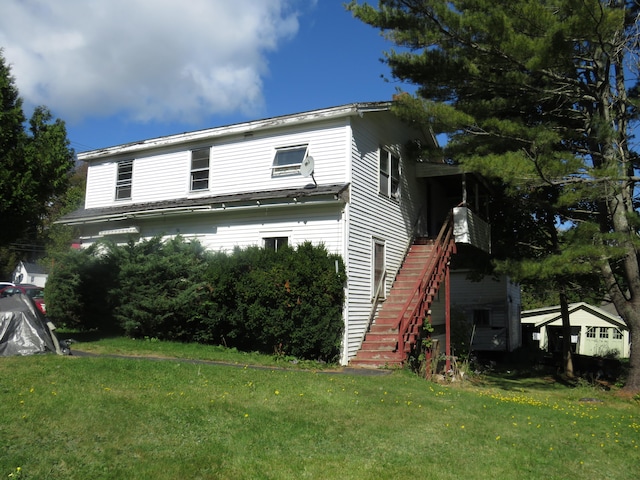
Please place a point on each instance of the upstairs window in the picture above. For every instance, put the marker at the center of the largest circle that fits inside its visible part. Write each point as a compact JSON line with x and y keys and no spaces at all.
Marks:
{"x":124,"y":180}
{"x":287,"y":160}
{"x":200,"y":169}
{"x":389,"y":174}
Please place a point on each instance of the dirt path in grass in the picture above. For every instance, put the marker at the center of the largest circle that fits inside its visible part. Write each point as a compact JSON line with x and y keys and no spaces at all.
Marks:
{"x":342,"y":370}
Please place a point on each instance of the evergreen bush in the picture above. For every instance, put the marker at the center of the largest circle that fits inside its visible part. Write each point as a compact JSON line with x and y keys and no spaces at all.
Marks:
{"x":287,"y":302}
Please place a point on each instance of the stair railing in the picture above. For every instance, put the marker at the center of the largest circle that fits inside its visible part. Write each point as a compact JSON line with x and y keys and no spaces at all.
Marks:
{"x":417,"y":306}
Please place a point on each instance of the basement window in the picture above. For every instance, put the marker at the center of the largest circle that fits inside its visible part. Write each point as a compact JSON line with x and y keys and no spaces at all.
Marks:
{"x":124,"y":180}
{"x":287,"y":160}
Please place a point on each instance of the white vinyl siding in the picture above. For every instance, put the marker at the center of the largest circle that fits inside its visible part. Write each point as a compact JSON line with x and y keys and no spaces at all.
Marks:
{"x":372,"y":215}
{"x":237,"y":164}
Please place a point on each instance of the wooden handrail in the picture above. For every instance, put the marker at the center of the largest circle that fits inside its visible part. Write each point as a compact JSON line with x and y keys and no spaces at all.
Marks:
{"x":443,"y":247}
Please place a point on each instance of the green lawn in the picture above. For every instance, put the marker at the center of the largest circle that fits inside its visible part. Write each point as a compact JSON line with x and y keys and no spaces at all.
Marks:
{"x":114,"y":418}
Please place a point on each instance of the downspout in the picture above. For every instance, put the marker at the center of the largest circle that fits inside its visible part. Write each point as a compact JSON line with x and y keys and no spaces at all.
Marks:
{"x":447,"y":315}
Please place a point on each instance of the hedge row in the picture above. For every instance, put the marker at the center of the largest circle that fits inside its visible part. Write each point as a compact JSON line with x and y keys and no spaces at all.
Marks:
{"x":289,"y":301}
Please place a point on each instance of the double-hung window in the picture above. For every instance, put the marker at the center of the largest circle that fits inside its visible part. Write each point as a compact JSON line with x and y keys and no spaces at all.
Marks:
{"x":124,"y":180}
{"x":287,"y":160}
{"x":389,"y":174}
{"x":200,"y":169}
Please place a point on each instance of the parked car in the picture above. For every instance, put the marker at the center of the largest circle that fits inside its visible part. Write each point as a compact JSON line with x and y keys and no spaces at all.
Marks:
{"x":6,"y":284}
{"x":33,"y":291}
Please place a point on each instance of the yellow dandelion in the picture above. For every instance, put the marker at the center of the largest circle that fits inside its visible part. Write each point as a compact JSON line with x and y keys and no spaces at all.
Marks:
{"x":498,"y":438}
{"x":277,"y":392}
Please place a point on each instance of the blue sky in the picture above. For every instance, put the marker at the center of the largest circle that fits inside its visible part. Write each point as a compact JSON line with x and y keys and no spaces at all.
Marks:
{"x":118,"y":71}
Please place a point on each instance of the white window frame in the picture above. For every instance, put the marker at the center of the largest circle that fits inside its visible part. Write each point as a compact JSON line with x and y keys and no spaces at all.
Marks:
{"x":124,"y":180}
{"x":282,"y":165}
{"x":389,"y":173}
{"x":197,"y":173}
{"x":591,"y":332}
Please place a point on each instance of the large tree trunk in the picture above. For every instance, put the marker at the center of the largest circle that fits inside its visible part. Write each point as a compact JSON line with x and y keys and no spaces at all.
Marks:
{"x":633,"y":381}
{"x":567,"y":357}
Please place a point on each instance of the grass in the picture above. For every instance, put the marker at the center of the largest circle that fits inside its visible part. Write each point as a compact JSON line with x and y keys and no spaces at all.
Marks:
{"x":121,"y":418}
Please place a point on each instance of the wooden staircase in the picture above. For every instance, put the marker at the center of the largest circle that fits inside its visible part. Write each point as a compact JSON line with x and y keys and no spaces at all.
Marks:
{"x":398,"y":324}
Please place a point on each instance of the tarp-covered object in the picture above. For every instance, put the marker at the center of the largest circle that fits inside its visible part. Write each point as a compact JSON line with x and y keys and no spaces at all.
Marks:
{"x":23,"y":329}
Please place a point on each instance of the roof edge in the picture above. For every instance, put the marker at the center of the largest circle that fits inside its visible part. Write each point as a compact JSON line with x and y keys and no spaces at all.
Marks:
{"x":243,"y":128}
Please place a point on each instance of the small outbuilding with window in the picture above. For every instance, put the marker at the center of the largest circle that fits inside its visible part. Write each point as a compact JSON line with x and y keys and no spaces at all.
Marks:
{"x":594,"y":331}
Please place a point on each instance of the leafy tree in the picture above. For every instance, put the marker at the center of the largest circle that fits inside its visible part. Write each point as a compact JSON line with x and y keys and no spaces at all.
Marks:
{"x":36,"y":165}
{"x":541,"y":97}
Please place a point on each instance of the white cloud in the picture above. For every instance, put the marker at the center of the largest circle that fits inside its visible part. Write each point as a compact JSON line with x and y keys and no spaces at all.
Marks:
{"x":157,"y":60}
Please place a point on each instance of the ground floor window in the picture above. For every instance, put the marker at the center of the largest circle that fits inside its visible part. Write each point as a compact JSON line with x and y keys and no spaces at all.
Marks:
{"x":617,"y":334}
{"x":604,"y":332}
{"x":591,"y":332}
{"x":275,"y":243}
{"x":482,"y":318}
{"x":379,"y":267}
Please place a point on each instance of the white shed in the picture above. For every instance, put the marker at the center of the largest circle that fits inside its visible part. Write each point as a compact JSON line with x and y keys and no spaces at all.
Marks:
{"x":594,"y":331}
{"x":31,"y":273}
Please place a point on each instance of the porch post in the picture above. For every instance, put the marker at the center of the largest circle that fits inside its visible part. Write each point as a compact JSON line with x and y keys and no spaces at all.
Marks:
{"x":447,"y":314}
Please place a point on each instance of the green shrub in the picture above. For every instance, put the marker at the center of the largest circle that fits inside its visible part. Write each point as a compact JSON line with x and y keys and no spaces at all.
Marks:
{"x":289,"y":301}
{"x":77,"y":289}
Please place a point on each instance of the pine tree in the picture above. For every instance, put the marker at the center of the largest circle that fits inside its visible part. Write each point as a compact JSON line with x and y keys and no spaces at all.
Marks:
{"x":36,"y":164}
{"x":541,"y":97}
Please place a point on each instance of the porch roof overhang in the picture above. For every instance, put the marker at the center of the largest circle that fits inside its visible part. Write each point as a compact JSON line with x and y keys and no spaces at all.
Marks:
{"x":436,"y":169}
{"x":309,"y":195}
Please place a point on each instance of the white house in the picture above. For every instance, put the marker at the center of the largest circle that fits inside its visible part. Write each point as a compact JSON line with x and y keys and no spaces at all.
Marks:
{"x":32,"y":273}
{"x":594,"y":331}
{"x":343,"y":176}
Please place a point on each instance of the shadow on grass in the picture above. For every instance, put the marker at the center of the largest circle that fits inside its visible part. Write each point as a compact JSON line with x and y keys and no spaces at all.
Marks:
{"x":534,"y":369}
{"x":78,"y":336}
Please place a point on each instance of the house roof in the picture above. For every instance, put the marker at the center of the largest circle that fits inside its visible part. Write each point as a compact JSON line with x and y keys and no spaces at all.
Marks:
{"x":546,"y":315}
{"x":33,"y":268}
{"x":246,"y":128}
{"x":310,"y":194}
